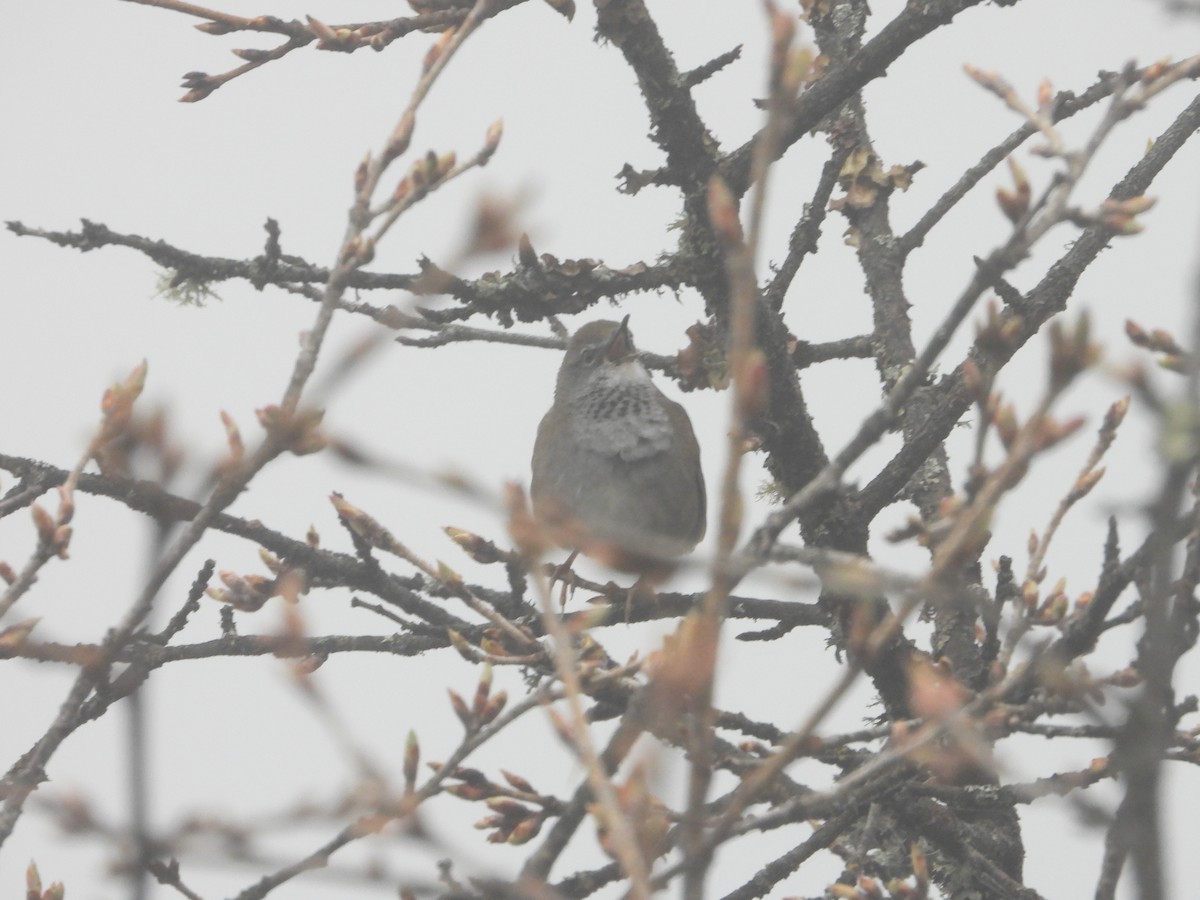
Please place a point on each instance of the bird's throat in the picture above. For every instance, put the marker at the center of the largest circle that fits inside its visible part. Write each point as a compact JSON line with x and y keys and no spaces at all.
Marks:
{"x":622,"y":416}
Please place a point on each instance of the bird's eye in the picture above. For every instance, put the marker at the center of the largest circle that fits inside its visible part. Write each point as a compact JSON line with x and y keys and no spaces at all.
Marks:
{"x":590,"y":355}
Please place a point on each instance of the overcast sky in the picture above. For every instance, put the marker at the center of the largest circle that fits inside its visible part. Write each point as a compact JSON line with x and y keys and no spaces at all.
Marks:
{"x":93,"y":130}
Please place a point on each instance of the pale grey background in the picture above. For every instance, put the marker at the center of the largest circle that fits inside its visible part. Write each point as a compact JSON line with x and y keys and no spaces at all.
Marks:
{"x":92,"y":129}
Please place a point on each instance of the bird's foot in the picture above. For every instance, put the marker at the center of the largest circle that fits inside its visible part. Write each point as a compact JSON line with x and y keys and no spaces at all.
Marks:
{"x":566,"y":575}
{"x":642,"y":591}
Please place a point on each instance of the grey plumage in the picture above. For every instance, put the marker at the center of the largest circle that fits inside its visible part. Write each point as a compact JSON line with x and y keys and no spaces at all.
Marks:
{"x":616,"y":465}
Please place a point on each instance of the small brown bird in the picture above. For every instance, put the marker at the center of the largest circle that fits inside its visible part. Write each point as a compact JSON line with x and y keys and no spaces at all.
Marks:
{"x":616,"y":466}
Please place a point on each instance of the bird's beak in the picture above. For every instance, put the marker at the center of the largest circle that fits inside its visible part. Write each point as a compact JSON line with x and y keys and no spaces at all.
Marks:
{"x":620,"y":345}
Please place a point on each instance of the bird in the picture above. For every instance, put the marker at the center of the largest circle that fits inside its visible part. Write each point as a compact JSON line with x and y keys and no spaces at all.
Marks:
{"x":616,"y":465}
